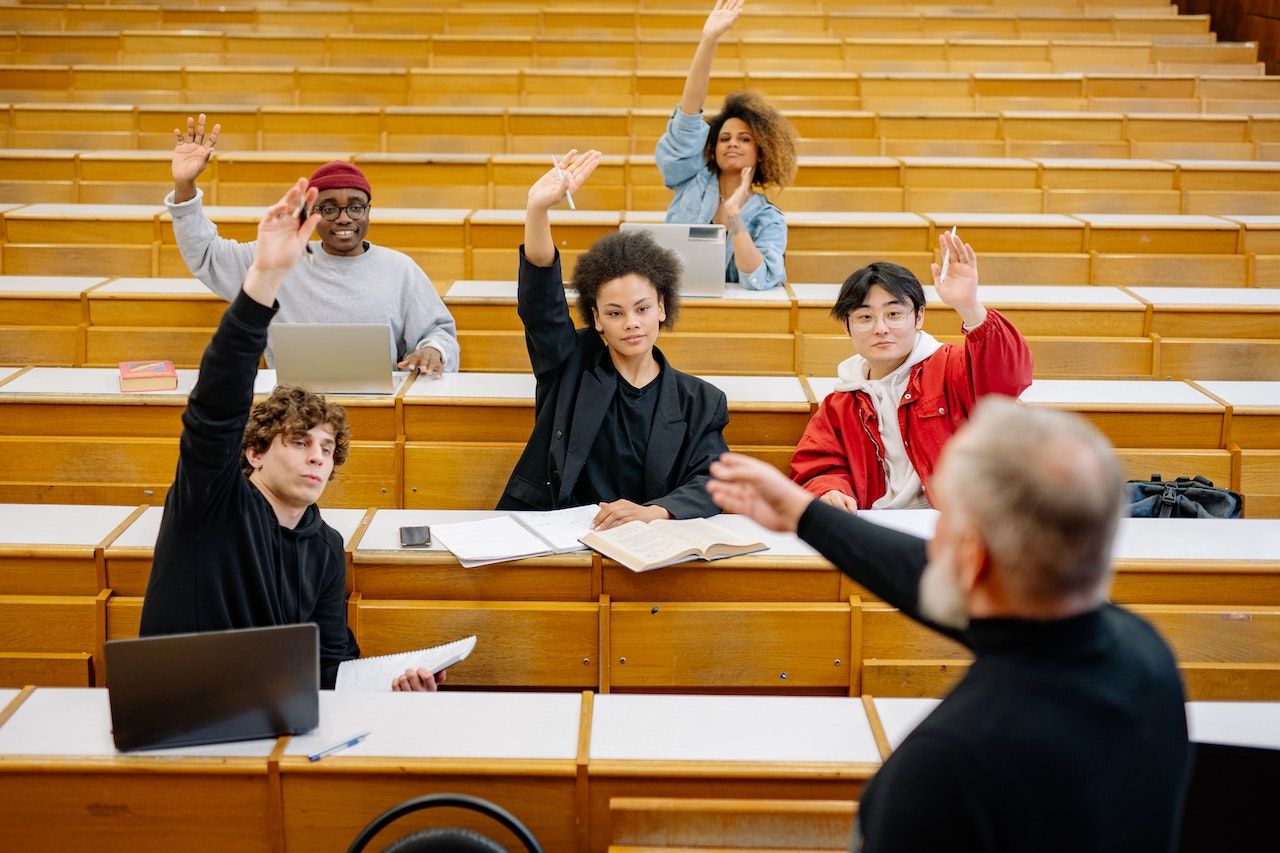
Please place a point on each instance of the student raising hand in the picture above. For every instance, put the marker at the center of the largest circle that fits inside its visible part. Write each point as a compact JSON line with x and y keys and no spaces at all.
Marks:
{"x":960,"y":287}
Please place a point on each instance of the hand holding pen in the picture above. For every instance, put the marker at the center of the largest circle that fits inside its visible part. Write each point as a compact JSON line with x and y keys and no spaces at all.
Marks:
{"x":956,"y":279}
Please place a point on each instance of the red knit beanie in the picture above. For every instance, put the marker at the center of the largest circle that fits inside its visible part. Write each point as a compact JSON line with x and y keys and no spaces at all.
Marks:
{"x":339,"y":174}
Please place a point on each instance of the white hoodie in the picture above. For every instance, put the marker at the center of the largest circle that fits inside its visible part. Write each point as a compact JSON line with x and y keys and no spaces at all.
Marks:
{"x":903,"y":489}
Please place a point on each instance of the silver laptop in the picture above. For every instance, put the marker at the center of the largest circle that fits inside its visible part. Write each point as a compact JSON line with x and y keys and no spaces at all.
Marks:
{"x":701,"y":249}
{"x":335,"y":358}
{"x":215,"y":686}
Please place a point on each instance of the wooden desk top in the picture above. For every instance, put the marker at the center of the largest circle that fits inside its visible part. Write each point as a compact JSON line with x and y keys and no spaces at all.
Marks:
{"x":1132,"y":394}
{"x":472,"y":386}
{"x":900,"y":716}
{"x":142,"y":532}
{"x":499,"y":291}
{"x":1263,"y":395}
{"x":1258,"y":298}
{"x":1255,"y":724}
{"x":47,"y":285}
{"x":74,"y":723}
{"x":444,"y":725}
{"x":61,"y":524}
{"x":801,"y":730}
{"x":185,"y":287}
{"x":64,"y":384}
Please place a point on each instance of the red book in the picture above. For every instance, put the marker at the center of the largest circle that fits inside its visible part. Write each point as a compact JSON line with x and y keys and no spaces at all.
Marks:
{"x":148,"y":376}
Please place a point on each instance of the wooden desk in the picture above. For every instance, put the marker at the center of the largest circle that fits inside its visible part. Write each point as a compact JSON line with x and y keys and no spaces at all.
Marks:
{"x":812,"y":748}
{"x":1120,"y":233}
{"x":523,"y":751}
{"x":66,"y":785}
{"x":43,"y":318}
{"x":1134,"y":413}
{"x":81,"y":239}
{"x":1211,"y":312}
{"x":131,"y":318}
{"x":1220,"y":562}
{"x":824,"y":247}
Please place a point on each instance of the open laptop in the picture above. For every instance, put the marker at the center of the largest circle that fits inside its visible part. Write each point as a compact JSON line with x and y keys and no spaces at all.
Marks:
{"x":191,"y":689}
{"x":335,"y":358}
{"x":701,"y":249}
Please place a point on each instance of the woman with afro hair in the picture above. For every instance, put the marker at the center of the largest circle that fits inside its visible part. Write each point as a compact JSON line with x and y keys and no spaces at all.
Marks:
{"x":714,"y":166}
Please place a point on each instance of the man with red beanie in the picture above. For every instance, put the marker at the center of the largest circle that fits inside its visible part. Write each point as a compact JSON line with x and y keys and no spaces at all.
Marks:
{"x":346,"y":279}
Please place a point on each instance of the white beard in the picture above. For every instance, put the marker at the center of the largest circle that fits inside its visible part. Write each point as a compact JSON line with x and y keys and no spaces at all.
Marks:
{"x":941,"y":601}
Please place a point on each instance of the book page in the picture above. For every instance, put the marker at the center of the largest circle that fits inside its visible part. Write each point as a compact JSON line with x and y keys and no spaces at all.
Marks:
{"x":644,"y":543}
{"x":560,"y":528}
{"x":375,"y":674}
{"x":490,"y":540}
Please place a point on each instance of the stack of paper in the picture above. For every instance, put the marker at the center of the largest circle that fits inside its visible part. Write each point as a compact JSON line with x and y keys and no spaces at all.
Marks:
{"x":516,"y":536}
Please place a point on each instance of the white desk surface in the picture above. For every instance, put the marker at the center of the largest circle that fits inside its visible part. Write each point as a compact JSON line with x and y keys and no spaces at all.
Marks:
{"x":1235,"y":723}
{"x":779,"y":544}
{"x":800,"y":729}
{"x":900,"y":716}
{"x":822,"y":386}
{"x":383,"y":532}
{"x":1242,"y":394}
{"x":1174,"y":540}
{"x":1164,"y":221}
{"x":446,"y":725}
{"x":142,"y":532}
{"x":93,"y":381}
{"x":507,"y":386}
{"x":1261,"y":221}
{"x":76,"y":722}
{"x":161,"y":286}
{"x":998,"y":295}
{"x":759,"y":389}
{"x":6,"y":372}
{"x":1002,"y":220}
{"x":64,"y":284}
{"x":1122,"y":392}
{"x":559,"y":216}
{"x":869,"y":219}
{"x":7,"y":695}
{"x":506,"y":290}
{"x":265,"y":383}
{"x":89,"y":211}
{"x":1169,"y":297}
{"x":59,"y":524}
{"x":917,"y":522}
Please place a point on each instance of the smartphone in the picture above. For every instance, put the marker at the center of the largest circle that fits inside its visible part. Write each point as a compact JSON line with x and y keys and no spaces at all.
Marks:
{"x":415,"y":537}
{"x":303,"y":214}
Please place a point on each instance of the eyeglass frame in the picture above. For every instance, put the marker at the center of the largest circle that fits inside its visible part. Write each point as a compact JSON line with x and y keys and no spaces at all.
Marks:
{"x":340,"y":208}
{"x":908,"y":316}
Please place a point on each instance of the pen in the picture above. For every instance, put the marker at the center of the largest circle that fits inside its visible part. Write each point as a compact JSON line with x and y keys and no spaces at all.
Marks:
{"x":329,"y":750}
{"x":946,"y":258}
{"x":560,"y":176}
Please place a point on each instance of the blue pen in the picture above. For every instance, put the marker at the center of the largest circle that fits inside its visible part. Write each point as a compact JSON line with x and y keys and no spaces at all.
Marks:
{"x":329,"y":750}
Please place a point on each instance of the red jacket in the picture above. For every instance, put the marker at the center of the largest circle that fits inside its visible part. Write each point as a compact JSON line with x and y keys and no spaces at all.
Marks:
{"x":841,"y":447}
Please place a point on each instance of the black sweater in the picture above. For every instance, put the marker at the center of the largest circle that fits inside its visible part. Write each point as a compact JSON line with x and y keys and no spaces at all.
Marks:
{"x":1065,"y":735}
{"x":222,"y":560}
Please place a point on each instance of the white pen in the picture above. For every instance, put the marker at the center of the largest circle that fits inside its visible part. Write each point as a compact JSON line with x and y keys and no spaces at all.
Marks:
{"x":560,"y":176}
{"x":329,"y":750}
{"x":946,"y":258}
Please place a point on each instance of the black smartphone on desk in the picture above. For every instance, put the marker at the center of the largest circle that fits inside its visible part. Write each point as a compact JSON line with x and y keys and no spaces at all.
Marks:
{"x":415,"y":537}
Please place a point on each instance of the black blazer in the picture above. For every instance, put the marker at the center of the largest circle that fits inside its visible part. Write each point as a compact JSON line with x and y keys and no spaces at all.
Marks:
{"x":575,"y":385}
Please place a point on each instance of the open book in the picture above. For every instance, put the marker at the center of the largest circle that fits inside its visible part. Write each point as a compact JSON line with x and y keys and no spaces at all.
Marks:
{"x":645,"y":545}
{"x":375,"y":674}
{"x":516,"y":535}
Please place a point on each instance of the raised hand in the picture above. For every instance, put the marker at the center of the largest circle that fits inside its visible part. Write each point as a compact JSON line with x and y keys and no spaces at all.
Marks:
{"x":722,"y":17}
{"x":567,"y":177}
{"x":960,"y":288}
{"x":751,"y":487}
{"x":192,"y":152}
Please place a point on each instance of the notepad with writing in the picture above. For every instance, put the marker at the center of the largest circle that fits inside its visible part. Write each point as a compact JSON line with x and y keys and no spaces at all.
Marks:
{"x":516,"y":535}
{"x":645,"y":545}
{"x":375,"y":674}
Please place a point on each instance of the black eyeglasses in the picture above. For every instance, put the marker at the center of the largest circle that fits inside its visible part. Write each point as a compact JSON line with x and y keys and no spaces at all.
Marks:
{"x":331,"y":211}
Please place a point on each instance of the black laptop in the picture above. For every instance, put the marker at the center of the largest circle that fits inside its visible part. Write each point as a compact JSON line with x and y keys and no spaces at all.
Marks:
{"x":192,"y":689}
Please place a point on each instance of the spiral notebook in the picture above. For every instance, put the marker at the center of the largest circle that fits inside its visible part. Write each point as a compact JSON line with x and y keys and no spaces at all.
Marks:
{"x":375,"y":674}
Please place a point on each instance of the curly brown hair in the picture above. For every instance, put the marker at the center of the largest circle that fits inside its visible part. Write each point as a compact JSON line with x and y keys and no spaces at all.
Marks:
{"x":291,"y":411}
{"x":623,"y":253}
{"x":774,"y":134}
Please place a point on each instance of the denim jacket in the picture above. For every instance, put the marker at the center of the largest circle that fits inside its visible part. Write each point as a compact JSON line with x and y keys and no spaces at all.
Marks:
{"x":697,"y":195}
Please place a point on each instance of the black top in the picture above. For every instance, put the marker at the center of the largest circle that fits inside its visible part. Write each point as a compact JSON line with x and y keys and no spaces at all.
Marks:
{"x":576,"y":387}
{"x":615,"y":465}
{"x":221,"y":559}
{"x":1065,"y":735}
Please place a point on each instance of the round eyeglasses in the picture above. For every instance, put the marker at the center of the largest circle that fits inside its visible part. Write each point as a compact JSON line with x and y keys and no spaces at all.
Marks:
{"x":894,"y":318}
{"x":332,"y":211}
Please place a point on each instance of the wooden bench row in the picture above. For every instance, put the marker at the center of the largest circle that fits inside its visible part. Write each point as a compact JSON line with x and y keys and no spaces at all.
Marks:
{"x":352,"y":50}
{"x":452,"y":443}
{"x":1210,"y":88}
{"x":497,"y":129}
{"x":602,"y":627}
{"x":1098,"y":21}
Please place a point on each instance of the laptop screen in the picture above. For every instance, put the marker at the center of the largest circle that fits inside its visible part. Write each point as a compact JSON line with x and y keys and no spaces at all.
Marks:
{"x":215,"y":686}
{"x":701,"y":249}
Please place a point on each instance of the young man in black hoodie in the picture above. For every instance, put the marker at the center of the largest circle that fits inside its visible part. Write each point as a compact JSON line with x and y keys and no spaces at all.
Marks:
{"x":242,"y":543}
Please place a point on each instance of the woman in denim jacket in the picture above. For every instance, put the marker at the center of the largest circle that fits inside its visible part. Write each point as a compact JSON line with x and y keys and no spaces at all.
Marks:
{"x":713,"y":166}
